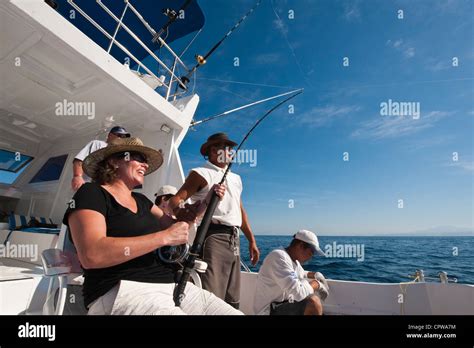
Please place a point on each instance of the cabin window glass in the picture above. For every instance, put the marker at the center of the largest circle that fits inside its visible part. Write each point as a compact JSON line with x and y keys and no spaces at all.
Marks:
{"x":12,"y":164}
{"x":51,"y":170}
{"x":13,"y":161}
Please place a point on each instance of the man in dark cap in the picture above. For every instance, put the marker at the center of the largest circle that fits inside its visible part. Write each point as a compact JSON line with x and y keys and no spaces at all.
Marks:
{"x":94,"y":145}
{"x":221,"y":248}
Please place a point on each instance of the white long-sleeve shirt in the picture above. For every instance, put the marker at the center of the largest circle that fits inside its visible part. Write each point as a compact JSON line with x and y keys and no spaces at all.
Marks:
{"x":280,"y":279}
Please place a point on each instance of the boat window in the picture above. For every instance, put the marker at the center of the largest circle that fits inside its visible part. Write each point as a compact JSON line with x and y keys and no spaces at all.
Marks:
{"x":51,"y":170}
{"x":13,"y":161}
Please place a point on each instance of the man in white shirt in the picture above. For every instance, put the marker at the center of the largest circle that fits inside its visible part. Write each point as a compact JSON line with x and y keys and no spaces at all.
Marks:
{"x":78,"y":178}
{"x":221,"y":248}
{"x":284,"y":287}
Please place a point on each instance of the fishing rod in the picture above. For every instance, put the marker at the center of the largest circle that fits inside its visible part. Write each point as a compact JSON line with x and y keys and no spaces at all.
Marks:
{"x":195,"y":123}
{"x":172,"y":15}
{"x":201,"y":60}
{"x":206,"y":220}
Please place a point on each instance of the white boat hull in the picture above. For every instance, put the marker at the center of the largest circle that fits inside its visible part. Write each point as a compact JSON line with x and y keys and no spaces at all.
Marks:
{"x":363,"y":298}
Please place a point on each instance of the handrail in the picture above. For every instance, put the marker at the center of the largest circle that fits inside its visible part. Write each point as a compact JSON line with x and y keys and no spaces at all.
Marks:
{"x":419,"y":276}
{"x":117,"y":29}
{"x":145,"y":47}
{"x":245,"y":267}
{"x":153,"y":32}
{"x":123,"y":48}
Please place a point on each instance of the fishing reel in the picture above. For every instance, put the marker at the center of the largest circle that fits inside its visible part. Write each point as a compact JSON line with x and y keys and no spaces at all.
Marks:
{"x":173,"y":254}
{"x":200,"y":59}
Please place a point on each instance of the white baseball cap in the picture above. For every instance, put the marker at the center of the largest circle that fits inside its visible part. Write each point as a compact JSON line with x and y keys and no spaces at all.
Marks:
{"x":166,"y":190}
{"x":310,"y":238}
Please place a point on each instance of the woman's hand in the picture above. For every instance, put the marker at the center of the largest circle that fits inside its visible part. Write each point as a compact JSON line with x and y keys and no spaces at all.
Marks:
{"x":176,"y":234}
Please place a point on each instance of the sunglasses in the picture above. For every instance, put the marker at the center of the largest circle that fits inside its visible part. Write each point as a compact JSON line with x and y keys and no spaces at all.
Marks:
{"x":121,"y":135}
{"x":134,"y":156}
{"x":223,"y":147}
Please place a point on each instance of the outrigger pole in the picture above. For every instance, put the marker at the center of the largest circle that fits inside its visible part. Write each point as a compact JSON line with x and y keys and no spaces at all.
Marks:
{"x":206,"y":220}
{"x":195,"y":123}
{"x":201,"y":60}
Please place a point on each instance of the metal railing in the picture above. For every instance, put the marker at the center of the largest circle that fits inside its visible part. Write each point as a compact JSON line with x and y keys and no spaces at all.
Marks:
{"x":419,"y":276}
{"x":113,"y":41}
{"x":244,"y":266}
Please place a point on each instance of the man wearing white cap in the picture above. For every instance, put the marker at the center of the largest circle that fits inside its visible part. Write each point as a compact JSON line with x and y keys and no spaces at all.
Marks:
{"x":162,"y":196}
{"x":284,"y":287}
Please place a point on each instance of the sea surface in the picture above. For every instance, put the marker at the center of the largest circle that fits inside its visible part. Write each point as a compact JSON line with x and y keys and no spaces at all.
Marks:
{"x":385,"y":259}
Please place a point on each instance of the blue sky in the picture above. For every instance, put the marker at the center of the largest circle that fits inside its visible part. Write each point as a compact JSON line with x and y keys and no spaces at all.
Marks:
{"x":300,"y":155}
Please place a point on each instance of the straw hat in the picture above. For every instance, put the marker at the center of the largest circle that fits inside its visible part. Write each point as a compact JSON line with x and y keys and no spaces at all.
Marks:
{"x":154,"y":157}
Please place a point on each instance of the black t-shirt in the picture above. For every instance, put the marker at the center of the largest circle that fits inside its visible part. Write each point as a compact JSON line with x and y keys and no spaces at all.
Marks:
{"x":121,"y":222}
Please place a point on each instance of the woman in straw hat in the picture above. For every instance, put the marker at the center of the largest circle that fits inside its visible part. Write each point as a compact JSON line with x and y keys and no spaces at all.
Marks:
{"x":116,"y":232}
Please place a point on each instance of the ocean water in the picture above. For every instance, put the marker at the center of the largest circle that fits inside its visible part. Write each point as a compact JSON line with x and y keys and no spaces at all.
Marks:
{"x":386,"y":259}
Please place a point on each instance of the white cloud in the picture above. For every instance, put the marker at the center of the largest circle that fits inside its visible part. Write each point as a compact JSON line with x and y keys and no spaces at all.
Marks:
{"x":280,"y":26}
{"x":384,"y":127}
{"x":351,"y":10}
{"x":409,"y":52}
{"x":324,"y":116}
{"x":267,"y":58}
{"x":399,"y":45}
{"x":464,"y":165}
{"x":437,"y":66}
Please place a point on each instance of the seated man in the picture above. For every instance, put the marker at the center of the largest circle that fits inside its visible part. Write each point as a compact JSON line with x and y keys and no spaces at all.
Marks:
{"x":281,"y":285}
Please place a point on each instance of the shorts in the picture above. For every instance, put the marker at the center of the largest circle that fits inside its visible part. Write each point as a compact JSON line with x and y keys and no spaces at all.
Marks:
{"x":288,"y":308}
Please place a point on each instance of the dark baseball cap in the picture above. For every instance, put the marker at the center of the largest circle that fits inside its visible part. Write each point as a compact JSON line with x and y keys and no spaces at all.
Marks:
{"x":120,"y":131}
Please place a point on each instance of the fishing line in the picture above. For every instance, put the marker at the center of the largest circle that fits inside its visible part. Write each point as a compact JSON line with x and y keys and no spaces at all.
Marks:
{"x":246,"y":83}
{"x":291,"y":47}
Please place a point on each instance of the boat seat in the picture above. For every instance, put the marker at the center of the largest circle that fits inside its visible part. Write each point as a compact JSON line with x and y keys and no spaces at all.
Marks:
{"x":28,"y":246}
{"x":3,"y":236}
{"x":20,"y":222}
{"x":64,"y":295}
{"x":12,"y":269}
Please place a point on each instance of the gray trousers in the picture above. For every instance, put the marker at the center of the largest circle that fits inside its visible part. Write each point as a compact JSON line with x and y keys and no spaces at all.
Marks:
{"x":221,"y":251}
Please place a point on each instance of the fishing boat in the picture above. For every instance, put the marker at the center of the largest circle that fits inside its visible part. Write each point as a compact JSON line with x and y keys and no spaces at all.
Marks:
{"x":70,"y":70}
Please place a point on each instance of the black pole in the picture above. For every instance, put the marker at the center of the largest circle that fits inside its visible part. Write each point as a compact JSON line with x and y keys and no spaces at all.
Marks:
{"x":206,"y":220}
{"x":170,"y":21}
{"x":188,"y":76}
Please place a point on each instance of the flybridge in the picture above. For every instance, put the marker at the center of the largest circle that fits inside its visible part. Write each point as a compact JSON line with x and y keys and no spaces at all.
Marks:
{"x":137,"y":35}
{"x":149,"y":12}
